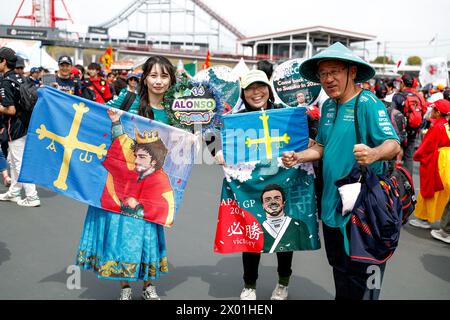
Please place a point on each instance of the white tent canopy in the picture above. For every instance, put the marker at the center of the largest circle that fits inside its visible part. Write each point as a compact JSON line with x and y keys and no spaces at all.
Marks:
{"x":31,"y":51}
{"x":241,"y":68}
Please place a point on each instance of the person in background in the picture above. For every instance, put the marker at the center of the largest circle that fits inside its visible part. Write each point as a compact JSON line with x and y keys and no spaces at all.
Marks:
{"x":34,"y":76}
{"x":17,"y":121}
{"x":110,"y":78}
{"x":443,"y":233}
{"x":398,"y":101}
{"x":433,"y":155}
{"x":128,"y":99}
{"x":266,"y":66}
{"x":121,"y":81}
{"x":20,"y":66}
{"x":97,"y":85}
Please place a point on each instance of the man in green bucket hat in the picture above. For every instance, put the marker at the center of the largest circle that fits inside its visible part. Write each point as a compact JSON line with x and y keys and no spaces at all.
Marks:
{"x":339,"y":71}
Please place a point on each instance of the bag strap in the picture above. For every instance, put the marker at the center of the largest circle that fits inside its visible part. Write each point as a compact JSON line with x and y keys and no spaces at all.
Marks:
{"x":128,"y":101}
{"x":358,"y":134}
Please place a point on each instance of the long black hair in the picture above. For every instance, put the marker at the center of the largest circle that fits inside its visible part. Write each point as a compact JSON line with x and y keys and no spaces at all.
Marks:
{"x":144,"y":109}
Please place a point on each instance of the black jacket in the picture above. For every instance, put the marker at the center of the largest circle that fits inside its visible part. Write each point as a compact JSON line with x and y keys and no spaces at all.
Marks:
{"x":16,"y":125}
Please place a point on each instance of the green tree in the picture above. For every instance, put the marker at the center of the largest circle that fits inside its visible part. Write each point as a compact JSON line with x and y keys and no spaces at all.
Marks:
{"x":383,"y":60}
{"x":414,"y":61}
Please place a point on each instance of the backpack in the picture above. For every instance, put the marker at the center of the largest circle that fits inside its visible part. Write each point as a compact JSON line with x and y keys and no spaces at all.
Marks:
{"x":28,"y":94}
{"x":404,"y":183}
{"x":373,"y":228}
{"x":412,"y":109}
{"x":398,"y":121}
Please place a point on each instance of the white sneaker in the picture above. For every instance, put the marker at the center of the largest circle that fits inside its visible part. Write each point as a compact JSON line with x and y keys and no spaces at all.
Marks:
{"x":125,"y":294}
{"x":9,"y":197}
{"x":420,"y":223}
{"x":150,"y":293}
{"x":280,"y":293}
{"x":441,"y":235}
{"x":248,"y":294}
{"x":29,"y":202}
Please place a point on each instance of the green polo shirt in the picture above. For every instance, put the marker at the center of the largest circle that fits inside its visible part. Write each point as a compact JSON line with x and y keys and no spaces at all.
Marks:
{"x":337,"y":135}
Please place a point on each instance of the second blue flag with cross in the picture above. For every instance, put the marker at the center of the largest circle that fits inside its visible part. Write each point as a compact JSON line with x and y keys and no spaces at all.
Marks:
{"x":263,"y":135}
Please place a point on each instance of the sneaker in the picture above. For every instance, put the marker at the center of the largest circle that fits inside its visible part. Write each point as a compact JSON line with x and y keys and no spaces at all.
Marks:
{"x":280,"y":293}
{"x":420,"y":223}
{"x":150,"y":293}
{"x":29,"y":202}
{"x":125,"y":294}
{"x":248,"y":294}
{"x":441,"y":235}
{"x":9,"y":197}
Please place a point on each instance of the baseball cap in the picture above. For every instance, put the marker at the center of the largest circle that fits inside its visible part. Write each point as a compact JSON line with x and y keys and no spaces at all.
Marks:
{"x":132,"y":75}
{"x":65,"y":59}
{"x":8,"y":54}
{"x":20,"y":63}
{"x":443,"y":106}
{"x":254,"y":76}
{"x":35,"y":69}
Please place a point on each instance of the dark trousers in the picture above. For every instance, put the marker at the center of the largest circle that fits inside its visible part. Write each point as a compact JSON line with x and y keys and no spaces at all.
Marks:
{"x":445,"y":220}
{"x":250,"y":260}
{"x":352,"y":280}
{"x":408,"y":152}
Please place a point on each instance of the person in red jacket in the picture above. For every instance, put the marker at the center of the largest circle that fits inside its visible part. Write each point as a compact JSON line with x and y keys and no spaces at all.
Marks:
{"x":434,"y":156}
{"x":97,"y":84}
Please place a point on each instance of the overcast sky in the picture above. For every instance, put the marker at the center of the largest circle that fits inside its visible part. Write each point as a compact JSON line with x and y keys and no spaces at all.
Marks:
{"x":407,"y":27}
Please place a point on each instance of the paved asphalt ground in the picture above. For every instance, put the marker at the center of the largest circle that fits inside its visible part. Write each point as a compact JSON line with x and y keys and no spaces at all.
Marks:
{"x":38,"y":244}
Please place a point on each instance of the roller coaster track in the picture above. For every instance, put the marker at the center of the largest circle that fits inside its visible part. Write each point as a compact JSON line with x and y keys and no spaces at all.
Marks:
{"x":135,"y":5}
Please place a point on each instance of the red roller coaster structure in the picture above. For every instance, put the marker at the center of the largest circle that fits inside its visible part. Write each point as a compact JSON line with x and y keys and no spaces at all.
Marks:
{"x":48,"y":19}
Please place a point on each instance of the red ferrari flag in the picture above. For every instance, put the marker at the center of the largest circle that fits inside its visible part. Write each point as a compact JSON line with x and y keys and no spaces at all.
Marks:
{"x":107,"y":58}
{"x":206,"y":65}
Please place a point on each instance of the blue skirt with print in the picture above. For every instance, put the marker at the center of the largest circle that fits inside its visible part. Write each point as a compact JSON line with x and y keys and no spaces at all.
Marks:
{"x":117,"y":247}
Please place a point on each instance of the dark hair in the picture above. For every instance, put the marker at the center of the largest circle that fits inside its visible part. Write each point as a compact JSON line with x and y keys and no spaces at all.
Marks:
{"x":10,"y":65}
{"x":157,"y":150}
{"x":380,"y":91}
{"x":446,"y":94}
{"x":144,"y":109}
{"x":408,"y":80}
{"x":271,"y":187}
{"x":95,"y":66}
{"x":266,"y":66}
{"x":81,"y":68}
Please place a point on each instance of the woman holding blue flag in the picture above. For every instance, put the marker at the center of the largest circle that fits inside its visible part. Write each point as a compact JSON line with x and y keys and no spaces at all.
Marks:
{"x":117,"y":246}
{"x":257,"y":95}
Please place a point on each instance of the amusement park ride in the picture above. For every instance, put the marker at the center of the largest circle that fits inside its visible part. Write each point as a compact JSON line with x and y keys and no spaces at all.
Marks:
{"x":43,"y":13}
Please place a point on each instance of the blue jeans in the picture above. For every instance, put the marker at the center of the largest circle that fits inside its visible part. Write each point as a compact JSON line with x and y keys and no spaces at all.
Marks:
{"x":3,"y":163}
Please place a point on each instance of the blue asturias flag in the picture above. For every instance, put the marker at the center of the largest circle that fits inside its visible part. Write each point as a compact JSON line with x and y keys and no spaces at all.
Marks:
{"x":107,"y":158}
{"x":263,"y":135}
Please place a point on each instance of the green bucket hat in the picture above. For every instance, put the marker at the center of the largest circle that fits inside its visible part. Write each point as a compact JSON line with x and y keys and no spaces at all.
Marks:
{"x":337,"y":51}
